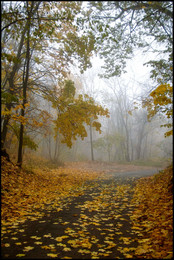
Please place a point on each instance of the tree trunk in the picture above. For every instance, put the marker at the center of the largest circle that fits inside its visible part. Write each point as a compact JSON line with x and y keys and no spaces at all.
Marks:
{"x":127,"y":146}
{"x":56,"y":151}
{"x":4,"y":129}
{"x":25,"y":83}
{"x":11,"y":86}
{"x":49,"y":147}
{"x":92,"y":153}
{"x":109,"y":154}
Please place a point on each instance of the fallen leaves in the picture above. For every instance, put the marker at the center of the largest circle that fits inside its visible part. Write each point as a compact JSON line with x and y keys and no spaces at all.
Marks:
{"x":28,"y":248}
{"x":18,"y":243}
{"x":52,"y":255}
{"x":20,"y":255}
{"x":35,"y":237}
{"x":154,"y":215}
{"x":59,"y":239}
{"x":84,"y":251}
{"x":23,"y":193}
{"x":100,"y":227}
{"x":66,"y":249}
{"x":49,"y":235}
{"x":14,"y":238}
{"x":126,"y":240}
{"x":6,"y":245}
{"x":38,"y":243}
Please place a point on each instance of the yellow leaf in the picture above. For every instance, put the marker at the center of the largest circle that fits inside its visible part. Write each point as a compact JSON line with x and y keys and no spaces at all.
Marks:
{"x":49,"y":235}
{"x":45,"y":247}
{"x":84,"y":251}
{"x":28,"y":248}
{"x":60,"y":244}
{"x":14,"y":238}
{"x":134,"y":227}
{"x":141,"y":251}
{"x":66,"y":249}
{"x":52,"y":255}
{"x":128,"y":256}
{"x":21,"y":230}
{"x":59,"y":239}
{"x":38,"y":243}
{"x":7,"y":245}
{"x":20,"y":255}
{"x":101,"y":250}
{"x":35,"y":237}
{"x":52,"y":246}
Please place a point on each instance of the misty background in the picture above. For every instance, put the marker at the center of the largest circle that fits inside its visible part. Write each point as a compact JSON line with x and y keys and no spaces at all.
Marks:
{"x":126,"y":136}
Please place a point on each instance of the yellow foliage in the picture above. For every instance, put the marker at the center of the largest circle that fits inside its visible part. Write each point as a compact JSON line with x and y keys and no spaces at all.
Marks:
{"x":71,"y":117}
{"x":23,"y":120}
{"x":168,"y":133}
{"x":20,"y":106}
{"x":6,"y":112}
{"x":160,"y":100}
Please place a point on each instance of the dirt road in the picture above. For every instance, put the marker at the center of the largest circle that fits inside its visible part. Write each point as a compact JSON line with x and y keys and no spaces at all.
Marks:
{"x":95,"y":225}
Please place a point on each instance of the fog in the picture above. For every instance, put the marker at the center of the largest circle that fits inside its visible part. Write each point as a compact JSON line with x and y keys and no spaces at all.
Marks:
{"x":127,"y":136}
{"x":54,"y":57}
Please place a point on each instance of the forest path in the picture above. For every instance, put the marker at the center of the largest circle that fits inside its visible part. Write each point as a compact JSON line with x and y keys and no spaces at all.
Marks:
{"x":95,"y":225}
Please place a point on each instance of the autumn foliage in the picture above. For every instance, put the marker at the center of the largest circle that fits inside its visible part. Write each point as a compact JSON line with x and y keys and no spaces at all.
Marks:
{"x":160,"y":100}
{"x":154,"y":214}
{"x":26,"y":193}
{"x":23,"y":192}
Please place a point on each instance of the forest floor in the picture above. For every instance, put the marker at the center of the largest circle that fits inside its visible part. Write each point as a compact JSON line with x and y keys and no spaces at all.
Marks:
{"x":87,"y":211}
{"x":107,"y":167}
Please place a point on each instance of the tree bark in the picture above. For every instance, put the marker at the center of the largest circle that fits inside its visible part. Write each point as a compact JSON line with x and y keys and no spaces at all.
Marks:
{"x":25,"y":83}
{"x":92,"y":153}
{"x":10,"y":81}
{"x":16,"y":66}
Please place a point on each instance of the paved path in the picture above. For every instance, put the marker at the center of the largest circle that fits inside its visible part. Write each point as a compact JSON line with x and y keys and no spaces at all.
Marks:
{"x":96,"y":224}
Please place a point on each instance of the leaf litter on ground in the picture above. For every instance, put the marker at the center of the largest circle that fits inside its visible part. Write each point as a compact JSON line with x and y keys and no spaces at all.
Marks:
{"x":151,"y":219}
{"x":22,"y":192}
{"x":153,"y":198}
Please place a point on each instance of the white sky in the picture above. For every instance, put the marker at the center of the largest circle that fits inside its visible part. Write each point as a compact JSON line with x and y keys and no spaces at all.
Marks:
{"x":137,"y":75}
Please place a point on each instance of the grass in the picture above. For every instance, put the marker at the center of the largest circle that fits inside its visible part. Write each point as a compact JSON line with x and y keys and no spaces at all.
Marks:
{"x":32,"y":161}
{"x":155,"y":162}
{"x":152,"y":162}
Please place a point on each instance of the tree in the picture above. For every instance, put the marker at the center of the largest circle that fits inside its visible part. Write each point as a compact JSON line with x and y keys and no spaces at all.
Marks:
{"x":111,"y":143}
{"x":91,"y":141}
{"x":25,"y":82}
{"x":34,"y":25}
{"x":119,"y":111}
{"x":73,"y":113}
{"x":140,"y":132}
{"x":160,"y":101}
{"x":122,"y":26}
{"x":90,"y":88}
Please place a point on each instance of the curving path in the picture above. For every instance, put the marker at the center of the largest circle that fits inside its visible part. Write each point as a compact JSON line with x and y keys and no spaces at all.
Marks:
{"x":94,"y":225}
